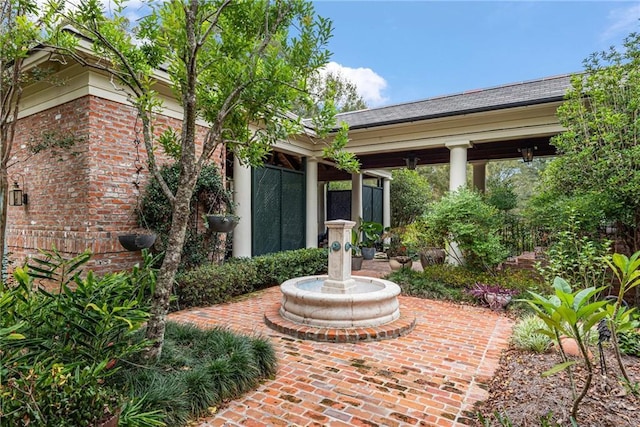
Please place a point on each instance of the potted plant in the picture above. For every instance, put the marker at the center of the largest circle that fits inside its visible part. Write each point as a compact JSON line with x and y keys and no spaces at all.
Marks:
{"x":356,"y":252}
{"x":421,"y":239}
{"x":137,"y":240}
{"x":397,"y":251}
{"x":370,"y":232}
{"x":222,"y":222}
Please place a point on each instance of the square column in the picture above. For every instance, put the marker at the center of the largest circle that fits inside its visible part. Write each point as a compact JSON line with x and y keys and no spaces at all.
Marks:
{"x":339,"y":281}
{"x":480,"y":175}
{"x":311,"y":181}
{"x":242,"y":199}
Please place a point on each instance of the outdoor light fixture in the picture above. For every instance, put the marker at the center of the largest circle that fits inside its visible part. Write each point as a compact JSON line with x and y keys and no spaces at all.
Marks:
{"x":527,"y":153}
{"x":411,"y":161}
{"x":16,"y":196}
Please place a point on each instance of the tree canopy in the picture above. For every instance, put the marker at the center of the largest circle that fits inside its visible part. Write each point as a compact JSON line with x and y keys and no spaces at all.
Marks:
{"x":600,"y":150}
{"x":237,"y":65}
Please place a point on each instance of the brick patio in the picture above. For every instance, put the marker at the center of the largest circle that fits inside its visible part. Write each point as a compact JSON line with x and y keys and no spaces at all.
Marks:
{"x":431,"y":377}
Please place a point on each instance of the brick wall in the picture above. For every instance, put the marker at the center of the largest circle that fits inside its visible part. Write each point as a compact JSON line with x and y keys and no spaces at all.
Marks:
{"x":84,"y":196}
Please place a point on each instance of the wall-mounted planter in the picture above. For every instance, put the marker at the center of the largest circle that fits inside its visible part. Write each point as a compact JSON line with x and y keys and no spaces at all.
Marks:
{"x":222,"y":223}
{"x":137,"y":241}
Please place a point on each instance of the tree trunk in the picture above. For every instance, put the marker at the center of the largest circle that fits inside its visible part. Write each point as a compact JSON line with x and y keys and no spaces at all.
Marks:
{"x":173,"y":254}
{"x":4,"y":186}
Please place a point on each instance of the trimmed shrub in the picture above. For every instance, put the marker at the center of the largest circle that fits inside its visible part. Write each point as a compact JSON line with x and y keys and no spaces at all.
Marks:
{"x":214,"y":284}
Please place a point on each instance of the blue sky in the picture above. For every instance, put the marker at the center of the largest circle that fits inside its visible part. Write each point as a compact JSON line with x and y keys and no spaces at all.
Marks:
{"x":398,"y":51}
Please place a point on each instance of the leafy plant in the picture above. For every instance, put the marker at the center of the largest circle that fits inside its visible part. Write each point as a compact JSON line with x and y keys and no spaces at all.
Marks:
{"x":495,"y":296}
{"x":464,"y":218}
{"x":526,"y":334}
{"x":411,"y":196}
{"x":629,"y":343}
{"x":60,"y":350}
{"x":573,"y":315}
{"x":627,"y":271}
{"x":370,"y":233}
{"x":575,"y":257}
{"x":209,"y":196}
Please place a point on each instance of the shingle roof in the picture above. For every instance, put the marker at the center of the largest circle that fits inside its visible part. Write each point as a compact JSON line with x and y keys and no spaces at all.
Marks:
{"x":533,"y":92}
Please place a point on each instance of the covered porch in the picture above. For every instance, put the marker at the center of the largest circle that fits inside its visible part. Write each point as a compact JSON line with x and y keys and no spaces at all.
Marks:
{"x":472,"y":127}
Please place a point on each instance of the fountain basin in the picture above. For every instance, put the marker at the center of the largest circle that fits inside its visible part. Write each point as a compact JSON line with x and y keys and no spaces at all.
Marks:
{"x":370,"y":302}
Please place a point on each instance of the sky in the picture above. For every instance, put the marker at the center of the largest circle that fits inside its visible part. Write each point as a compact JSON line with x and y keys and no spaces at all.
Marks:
{"x":398,"y":51}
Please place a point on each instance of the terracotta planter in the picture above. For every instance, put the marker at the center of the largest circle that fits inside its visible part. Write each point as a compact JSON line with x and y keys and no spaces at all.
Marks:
{"x":222,"y":223}
{"x":431,"y":256}
{"x":112,"y":421}
{"x":356,"y":263}
{"x":137,"y":241}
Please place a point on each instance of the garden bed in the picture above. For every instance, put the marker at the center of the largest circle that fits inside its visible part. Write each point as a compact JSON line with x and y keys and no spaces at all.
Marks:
{"x":519,"y":391}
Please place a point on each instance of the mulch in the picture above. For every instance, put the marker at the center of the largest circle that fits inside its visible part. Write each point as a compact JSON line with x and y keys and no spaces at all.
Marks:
{"x":520,"y":392}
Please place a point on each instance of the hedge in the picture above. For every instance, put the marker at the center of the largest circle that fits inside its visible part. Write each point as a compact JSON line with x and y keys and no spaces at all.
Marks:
{"x":212,"y":284}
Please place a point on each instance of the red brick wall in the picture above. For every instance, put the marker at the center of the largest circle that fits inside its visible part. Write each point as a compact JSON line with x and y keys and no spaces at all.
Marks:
{"x":84,"y":196}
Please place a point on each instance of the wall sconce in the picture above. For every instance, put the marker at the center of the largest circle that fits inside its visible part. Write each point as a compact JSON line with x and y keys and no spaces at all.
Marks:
{"x":16,"y":196}
{"x":527,"y":153}
{"x":411,"y":161}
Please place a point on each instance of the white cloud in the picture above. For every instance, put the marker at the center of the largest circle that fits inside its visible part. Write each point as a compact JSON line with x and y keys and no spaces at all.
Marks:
{"x":623,"y":22}
{"x":370,"y":84}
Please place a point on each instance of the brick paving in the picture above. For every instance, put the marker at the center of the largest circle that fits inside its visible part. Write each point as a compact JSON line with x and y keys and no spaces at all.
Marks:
{"x":430,"y":377}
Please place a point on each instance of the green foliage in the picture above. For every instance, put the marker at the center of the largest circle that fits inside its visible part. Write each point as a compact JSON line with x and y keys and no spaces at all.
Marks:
{"x":629,"y":343}
{"x":198,"y":369}
{"x":209,"y":196}
{"x":410,"y":195}
{"x":463,"y":217}
{"x":332,"y":86}
{"x":60,"y":350}
{"x":370,"y":233}
{"x":501,"y":195}
{"x":575,"y":257}
{"x":627,"y":271}
{"x":450,"y":282}
{"x":572,"y":314}
{"x":526,"y":335}
{"x":601,"y":144}
{"x":213,"y":284}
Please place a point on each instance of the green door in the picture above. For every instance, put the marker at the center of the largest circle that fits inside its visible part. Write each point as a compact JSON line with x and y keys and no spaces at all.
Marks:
{"x":278,"y":210}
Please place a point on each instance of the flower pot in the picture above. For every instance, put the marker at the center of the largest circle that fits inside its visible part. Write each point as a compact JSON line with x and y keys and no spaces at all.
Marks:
{"x":431,"y":256}
{"x":137,"y":241}
{"x":356,"y":263}
{"x":368,"y":253}
{"x":110,"y":421}
{"x":222,"y":223}
{"x":398,"y":262}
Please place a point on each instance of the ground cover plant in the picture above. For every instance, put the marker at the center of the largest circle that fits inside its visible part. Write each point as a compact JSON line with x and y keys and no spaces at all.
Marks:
{"x":455,"y":283}
{"x":72,"y":356}
{"x":198,"y":371}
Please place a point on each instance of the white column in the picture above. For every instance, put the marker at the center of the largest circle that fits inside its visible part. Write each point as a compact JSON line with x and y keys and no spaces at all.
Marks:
{"x":242,"y":198}
{"x":458,"y":164}
{"x":386,"y":202}
{"x":311,"y":178}
{"x":322,"y":206}
{"x":480,"y":175}
{"x":457,"y":179}
{"x":356,"y":198}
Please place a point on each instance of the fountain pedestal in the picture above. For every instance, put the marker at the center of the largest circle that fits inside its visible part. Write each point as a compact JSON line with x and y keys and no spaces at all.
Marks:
{"x":339,"y":280}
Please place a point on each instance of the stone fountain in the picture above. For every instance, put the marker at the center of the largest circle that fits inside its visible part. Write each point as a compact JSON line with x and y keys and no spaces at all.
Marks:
{"x":338,"y":300}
